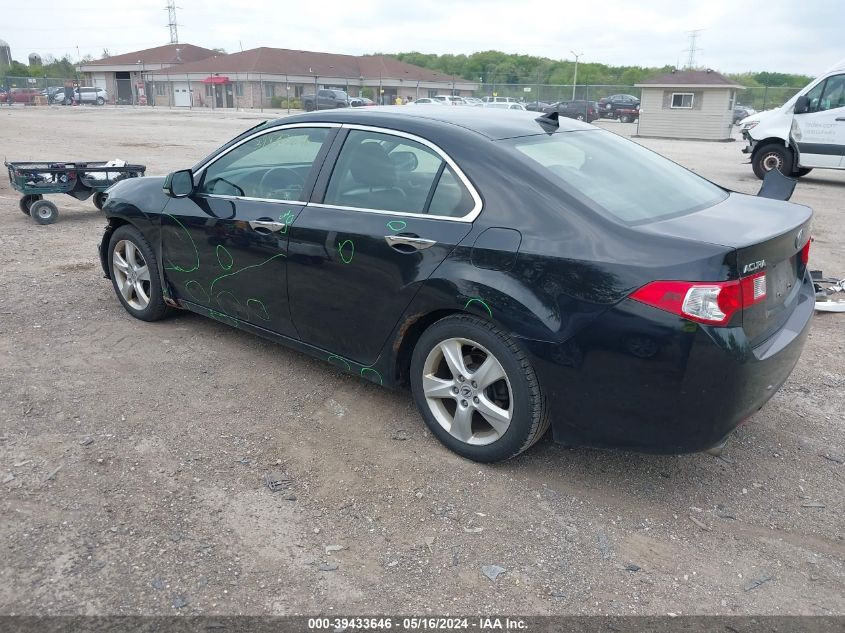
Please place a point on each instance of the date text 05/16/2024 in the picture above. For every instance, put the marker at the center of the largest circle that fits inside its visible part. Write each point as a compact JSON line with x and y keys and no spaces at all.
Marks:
{"x":417,"y":623}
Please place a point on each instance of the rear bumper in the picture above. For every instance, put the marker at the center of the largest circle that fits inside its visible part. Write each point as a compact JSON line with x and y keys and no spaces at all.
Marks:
{"x":642,"y":379}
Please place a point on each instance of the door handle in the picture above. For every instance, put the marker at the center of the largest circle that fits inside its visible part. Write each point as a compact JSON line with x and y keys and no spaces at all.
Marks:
{"x":840,"y":118}
{"x":267,"y":225}
{"x":417,"y":243}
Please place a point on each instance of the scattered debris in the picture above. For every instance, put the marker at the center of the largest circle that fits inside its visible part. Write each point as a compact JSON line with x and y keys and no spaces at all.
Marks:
{"x":277,"y":481}
{"x":179,"y":602}
{"x":429,"y":541}
{"x":290,"y":497}
{"x":328,"y":567}
{"x":392,"y":563}
{"x":827,"y":289}
{"x":492,"y":571}
{"x":52,"y":474}
{"x":700,"y":524}
{"x":455,"y":559}
{"x":554,"y":593}
{"x":813,"y":504}
{"x":400,"y":435}
{"x":334,"y":548}
{"x":86,"y":441}
{"x":632,"y":567}
{"x":756,"y":583}
{"x":724,"y":513}
{"x":838,"y":458}
{"x":725,"y":459}
{"x":474,"y":529}
{"x":8,"y":478}
{"x":158,"y":584}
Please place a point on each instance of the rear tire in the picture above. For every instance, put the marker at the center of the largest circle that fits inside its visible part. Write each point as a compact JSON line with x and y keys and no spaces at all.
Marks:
{"x":772,"y":156}
{"x":26,"y":202}
{"x":134,"y":274}
{"x":100,"y":101}
{"x":308,"y":106}
{"x":624,"y":119}
{"x":498,"y":417}
{"x":44,"y":212}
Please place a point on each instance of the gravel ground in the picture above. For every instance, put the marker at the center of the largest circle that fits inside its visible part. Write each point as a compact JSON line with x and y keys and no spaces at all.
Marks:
{"x":133,"y":455}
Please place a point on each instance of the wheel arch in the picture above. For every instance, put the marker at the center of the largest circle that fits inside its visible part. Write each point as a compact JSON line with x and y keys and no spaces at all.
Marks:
{"x":111,"y":227}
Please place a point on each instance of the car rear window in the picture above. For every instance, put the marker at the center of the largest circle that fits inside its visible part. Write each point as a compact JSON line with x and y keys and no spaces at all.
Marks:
{"x":618,"y":177}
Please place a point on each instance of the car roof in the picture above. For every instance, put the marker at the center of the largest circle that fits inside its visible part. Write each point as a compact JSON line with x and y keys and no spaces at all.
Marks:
{"x":490,"y":122}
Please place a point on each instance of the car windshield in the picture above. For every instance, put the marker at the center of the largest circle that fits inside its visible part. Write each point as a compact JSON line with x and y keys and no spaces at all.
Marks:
{"x":618,"y":177}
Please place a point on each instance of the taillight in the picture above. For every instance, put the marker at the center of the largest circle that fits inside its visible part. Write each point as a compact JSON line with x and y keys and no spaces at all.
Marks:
{"x":805,"y":253}
{"x":713,"y":303}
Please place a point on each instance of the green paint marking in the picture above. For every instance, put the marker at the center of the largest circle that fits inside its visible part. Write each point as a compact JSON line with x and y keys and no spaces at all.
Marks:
{"x":238,"y":272}
{"x":176,"y":267}
{"x":193,"y":286}
{"x":260,"y":311}
{"x":397,"y":225}
{"x":367,"y":371}
{"x":235,"y":303}
{"x":223,"y":317}
{"x":480,"y":301}
{"x":287,"y":218}
{"x":224,"y":257}
{"x":335,"y":357}
{"x":347,"y":259}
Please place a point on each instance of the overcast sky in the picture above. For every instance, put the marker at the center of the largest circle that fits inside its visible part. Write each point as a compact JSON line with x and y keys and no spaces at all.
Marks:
{"x":737,"y":35}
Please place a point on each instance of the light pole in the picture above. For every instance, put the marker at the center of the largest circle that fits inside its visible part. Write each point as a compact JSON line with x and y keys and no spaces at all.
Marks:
{"x":575,"y":78}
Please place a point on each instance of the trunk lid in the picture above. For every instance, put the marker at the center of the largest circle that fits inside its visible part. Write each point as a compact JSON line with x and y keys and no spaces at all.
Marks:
{"x":766,"y":236}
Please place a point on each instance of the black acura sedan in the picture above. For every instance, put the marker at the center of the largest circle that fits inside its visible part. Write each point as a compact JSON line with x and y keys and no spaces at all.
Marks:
{"x":517,"y":272}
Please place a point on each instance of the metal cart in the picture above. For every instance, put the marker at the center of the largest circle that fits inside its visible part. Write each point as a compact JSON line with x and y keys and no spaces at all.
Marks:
{"x":76,"y":179}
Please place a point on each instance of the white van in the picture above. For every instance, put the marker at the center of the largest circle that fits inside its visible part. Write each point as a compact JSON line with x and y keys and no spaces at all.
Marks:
{"x":808,"y":131}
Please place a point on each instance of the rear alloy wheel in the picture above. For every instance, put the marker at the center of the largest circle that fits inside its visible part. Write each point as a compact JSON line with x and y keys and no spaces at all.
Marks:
{"x":100,"y":199}
{"x":134,"y":274}
{"x":580,"y":117}
{"x":26,"y":202}
{"x":624,"y":119}
{"x":44,"y":211}
{"x":477,"y":390}
{"x":772,"y":156}
{"x":100,"y":101}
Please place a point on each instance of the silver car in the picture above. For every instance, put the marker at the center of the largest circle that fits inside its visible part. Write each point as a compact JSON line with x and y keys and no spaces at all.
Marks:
{"x":91,"y":95}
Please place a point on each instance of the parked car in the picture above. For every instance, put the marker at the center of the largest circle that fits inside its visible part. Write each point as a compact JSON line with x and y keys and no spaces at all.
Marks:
{"x":628,"y":115}
{"x":473,"y":101}
{"x":427,"y":101}
{"x":517,"y":272}
{"x":51,"y":91}
{"x":609,"y":106}
{"x":536,"y":106}
{"x":741,"y":112}
{"x":579,"y":109}
{"x":328,"y":99}
{"x":359,"y":102}
{"x":22,"y":95}
{"x":449,"y":99}
{"x":91,"y":94}
{"x":501,"y":105}
{"x":491,"y":99}
{"x":808,"y":131}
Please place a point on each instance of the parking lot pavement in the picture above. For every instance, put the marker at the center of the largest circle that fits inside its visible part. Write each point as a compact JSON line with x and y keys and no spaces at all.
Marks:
{"x":133,"y":455}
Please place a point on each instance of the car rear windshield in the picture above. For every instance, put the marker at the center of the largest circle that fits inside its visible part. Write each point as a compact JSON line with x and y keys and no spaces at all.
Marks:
{"x":618,"y":177}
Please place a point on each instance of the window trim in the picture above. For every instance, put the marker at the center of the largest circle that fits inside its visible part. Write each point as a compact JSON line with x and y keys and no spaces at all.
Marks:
{"x":469,"y":217}
{"x":691,"y":105}
{"x":278,"y":128}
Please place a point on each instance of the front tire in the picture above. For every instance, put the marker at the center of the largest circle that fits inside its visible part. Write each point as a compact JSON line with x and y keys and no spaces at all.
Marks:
{"x":772,"y":156}
{"x":134,"y":274}
{"x":476,"y":389}
{"x":624,"y":119}
{"x":26,"y":202}
{"x":309,"y":107}
{"x":100,"y":199}
{"x":100,"y":101}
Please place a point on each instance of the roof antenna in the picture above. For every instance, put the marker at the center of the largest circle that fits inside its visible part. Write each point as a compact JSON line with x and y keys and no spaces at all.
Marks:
{"x":549,"y":122}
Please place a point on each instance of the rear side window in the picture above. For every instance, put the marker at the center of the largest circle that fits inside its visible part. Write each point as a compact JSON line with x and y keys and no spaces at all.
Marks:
{"x":617,"y":177}
{"x":384,"y":172}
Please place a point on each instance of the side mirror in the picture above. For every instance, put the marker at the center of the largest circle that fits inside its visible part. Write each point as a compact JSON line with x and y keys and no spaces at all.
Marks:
{"x":802,"y":104}
{"x":179,"y":184}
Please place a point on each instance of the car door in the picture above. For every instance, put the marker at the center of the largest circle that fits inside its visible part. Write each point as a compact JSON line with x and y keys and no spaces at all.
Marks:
{"x":388,"y":208}
{"x":224,"y":248}
{"x":819,"y":133}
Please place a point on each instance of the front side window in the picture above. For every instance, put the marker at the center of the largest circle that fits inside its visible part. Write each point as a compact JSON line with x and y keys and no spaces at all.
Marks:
{"x":273,"y":166}
{"x":617,"y":177}
{"x":390,"y":173}
{"x":834,"y":93}
{"x":682,"y":100}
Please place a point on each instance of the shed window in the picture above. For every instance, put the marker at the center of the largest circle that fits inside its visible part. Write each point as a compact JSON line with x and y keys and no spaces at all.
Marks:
{"x":239,"y":89}
{"x":682,"y":100}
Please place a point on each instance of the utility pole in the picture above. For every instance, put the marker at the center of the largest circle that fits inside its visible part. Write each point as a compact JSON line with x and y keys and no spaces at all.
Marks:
{"x":692,"y":50}
{"x":171,"y":15}
{"x":575,"y":77}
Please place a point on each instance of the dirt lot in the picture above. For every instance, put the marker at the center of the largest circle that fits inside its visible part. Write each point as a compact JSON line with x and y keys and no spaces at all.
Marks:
{"x":165,"y":510}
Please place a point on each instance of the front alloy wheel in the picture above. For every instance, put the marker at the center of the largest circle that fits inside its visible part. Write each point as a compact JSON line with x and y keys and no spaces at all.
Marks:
{"x":131,"y":274}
